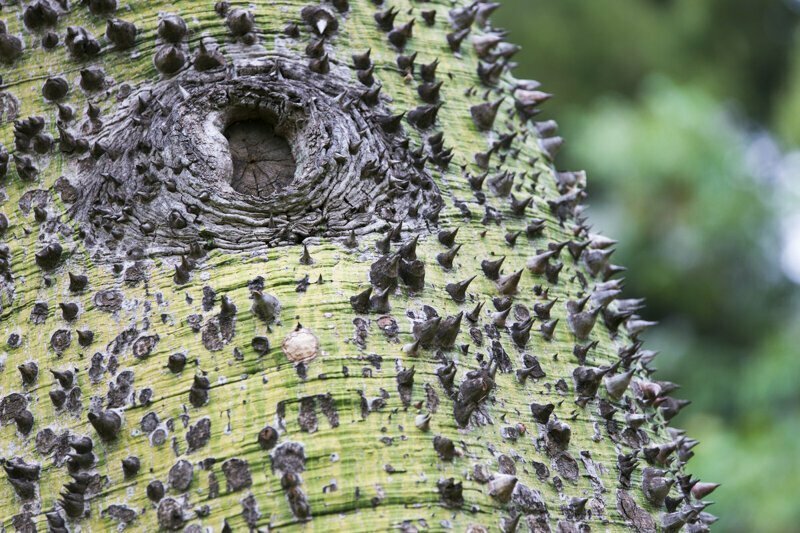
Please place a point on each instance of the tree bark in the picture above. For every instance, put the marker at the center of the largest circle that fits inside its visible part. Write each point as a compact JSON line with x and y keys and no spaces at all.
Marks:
{"x":274,"y":264}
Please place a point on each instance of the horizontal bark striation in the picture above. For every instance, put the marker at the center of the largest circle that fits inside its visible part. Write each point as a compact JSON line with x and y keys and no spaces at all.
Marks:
{"x":417,"y":331}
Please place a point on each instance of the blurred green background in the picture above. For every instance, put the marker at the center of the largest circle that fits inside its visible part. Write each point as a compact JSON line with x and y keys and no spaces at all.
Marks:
{"x":686,"y":114}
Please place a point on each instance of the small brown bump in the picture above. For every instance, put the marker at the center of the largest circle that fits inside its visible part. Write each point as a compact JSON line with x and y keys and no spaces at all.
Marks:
{"x":240,"y":22}
{"x":268,"y":438}
{"x":458,"y":290}
{"x":106,"y":423}
{"x":29,"y":371}
{"x":85,"y":337}
{"x":102,"y":7}
{"x":320,"y":20}
{"x":508,"y":284}
{"x":445,"y":259}
{"x":169,"y":59}
{"x":492,"y":268}
{"x":121,"y":33}
{"x":131,"y":466}
{"x":301,"y":345}
{"x":55,"y":88}
{"x":172,"y":28}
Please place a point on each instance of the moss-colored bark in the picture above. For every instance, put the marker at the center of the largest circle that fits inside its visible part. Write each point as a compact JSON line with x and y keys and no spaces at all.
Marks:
{"x":371,"y":471}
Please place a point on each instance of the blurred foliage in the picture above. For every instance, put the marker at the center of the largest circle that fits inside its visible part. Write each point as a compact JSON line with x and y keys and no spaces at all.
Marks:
{"x":787,"y":111}
{"x":676,"y":194}
{"x":665,"y":103}
{"x":731,"y":48}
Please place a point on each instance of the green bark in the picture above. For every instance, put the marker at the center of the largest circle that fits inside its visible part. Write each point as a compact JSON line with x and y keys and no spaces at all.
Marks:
{"x":371,"y":459}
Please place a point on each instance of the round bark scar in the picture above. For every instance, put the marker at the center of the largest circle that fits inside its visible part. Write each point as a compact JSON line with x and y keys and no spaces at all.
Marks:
{"x":300,"y":345}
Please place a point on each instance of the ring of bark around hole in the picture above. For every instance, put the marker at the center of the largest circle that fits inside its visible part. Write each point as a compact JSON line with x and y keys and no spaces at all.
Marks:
{"x":163,"y":184}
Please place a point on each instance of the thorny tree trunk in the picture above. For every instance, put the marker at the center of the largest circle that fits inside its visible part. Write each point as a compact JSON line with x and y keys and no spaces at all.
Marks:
{"x":276,"y":263}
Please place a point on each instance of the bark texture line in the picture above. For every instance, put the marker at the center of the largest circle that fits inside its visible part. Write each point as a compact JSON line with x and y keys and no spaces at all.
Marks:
{"x":311,"y":265}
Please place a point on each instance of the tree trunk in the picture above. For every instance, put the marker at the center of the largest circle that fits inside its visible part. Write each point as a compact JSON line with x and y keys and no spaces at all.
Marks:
{"x":269,"y":264}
